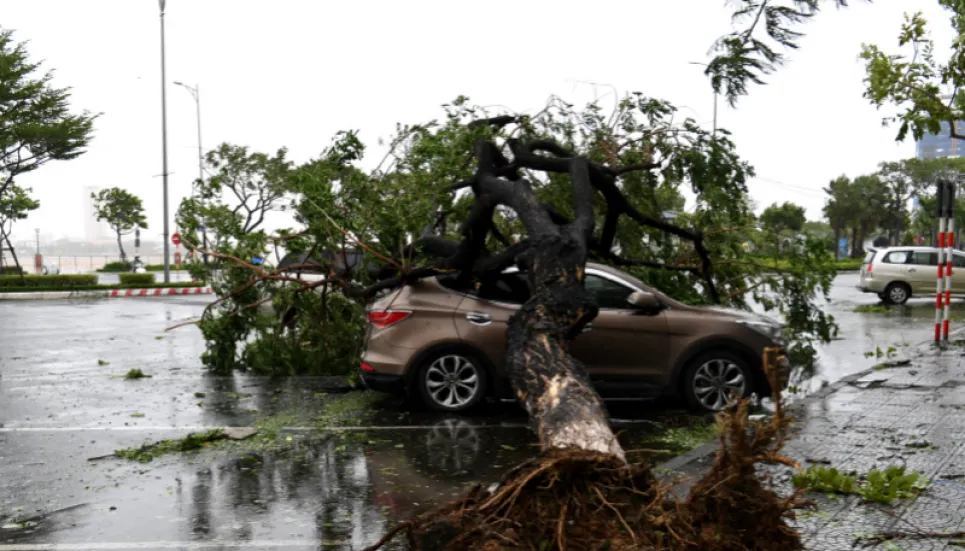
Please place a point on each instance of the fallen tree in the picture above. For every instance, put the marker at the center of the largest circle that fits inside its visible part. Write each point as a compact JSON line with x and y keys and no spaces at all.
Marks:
{"x":528,"y":200}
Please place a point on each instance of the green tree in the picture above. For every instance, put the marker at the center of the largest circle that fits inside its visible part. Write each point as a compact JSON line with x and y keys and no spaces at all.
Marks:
{"x":783,"y":218}
{"x":924,"y":90}
{"x":36,"y":125}
{"x":15,"y":204}
{"x":122,"y":210}
{"x":838,"y":206}
{"x":869,"y":203}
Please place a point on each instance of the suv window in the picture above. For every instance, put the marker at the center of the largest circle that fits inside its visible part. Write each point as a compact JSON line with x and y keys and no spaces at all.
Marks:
{"x":869,"y":257}
{"x":896,"y":257}
{"x":924,"y":258}
{"x":608,"y":294}
{"x":958,"y":261}
{"x":511,"y":288}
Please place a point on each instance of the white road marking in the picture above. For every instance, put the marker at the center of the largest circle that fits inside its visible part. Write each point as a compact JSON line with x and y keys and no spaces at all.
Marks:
{"x":170,"y":545}
{"x":133,"y":428}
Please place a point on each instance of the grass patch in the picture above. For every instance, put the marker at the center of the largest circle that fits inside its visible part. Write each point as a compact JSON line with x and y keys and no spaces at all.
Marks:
{"x":136,"y":374}
{"x":191,"y":442}
{"x":872,"y":309}
{"x":877,"y":486}
{"x":686,"y":438}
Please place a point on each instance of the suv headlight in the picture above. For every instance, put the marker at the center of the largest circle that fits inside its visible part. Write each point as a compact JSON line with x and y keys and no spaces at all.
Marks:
{"x":772,"y":330}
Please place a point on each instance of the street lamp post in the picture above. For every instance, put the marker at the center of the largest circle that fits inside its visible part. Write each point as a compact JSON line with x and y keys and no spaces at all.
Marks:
{"x":715,"y":98}
{"x":164,"y":148}
{"x":196,"y":94}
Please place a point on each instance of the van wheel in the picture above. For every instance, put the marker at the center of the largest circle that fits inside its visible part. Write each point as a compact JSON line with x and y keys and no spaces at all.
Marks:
{"x":712,"y":381}
{"x":897,"y":293}
{"x":452,"y":381}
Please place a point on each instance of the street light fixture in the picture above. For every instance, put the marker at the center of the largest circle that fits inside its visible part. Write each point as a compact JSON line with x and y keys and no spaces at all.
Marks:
{"x":715,"y":97}
{"x":196,"y":94}
{"x":164,"y":148}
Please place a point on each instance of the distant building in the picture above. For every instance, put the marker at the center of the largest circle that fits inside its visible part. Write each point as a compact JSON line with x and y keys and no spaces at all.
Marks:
{"x":932,"y":146}
{"x":94,"y":231}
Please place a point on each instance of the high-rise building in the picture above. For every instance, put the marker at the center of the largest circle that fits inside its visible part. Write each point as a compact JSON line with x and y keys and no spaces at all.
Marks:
{"x":94,"y":230}
{"x":931,"y":146}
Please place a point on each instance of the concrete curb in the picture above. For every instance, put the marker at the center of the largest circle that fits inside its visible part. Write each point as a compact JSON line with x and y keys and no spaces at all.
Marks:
{"x":107,"y":293}
{"x":711,"y":447}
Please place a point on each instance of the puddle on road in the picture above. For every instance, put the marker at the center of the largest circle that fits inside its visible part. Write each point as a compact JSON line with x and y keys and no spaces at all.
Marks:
{"x":336,"y":486}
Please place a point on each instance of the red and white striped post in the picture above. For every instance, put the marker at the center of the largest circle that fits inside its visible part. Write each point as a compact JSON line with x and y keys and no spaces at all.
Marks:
{"x":945,"y":195}
{"x":940,"y":281}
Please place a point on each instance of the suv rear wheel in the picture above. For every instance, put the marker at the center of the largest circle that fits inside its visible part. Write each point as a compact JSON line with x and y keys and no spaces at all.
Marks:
{"x":452,"y":381}
{"x":897,"y":293}
{"x":713,"y":379}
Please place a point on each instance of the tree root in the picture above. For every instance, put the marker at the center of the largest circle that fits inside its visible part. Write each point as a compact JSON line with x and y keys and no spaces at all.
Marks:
{"x":575,"y":499}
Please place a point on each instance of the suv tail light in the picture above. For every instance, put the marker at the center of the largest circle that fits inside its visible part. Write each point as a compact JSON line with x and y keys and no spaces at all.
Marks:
{"x":385,"y":318}
{"x":869,"y":267}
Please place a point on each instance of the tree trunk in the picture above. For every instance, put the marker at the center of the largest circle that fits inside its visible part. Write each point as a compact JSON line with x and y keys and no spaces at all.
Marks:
{"x":837,"y":239}
{"x":13,"y":253}
{"x":121,"y":247}
{"x":854,"y":242}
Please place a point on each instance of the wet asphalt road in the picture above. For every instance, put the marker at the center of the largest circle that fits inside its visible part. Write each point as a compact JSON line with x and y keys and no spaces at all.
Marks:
{"x":62,"y":401}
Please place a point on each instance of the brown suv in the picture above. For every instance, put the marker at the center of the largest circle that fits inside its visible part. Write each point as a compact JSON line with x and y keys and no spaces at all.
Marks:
{"x":446,"y":345}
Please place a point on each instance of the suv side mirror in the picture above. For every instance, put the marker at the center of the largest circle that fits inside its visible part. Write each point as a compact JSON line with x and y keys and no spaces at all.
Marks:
{"x":645,"y":301}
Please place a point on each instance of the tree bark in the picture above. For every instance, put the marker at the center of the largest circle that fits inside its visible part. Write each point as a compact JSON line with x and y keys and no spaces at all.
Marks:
{"x":121,"y":247}
{"x":837,"y":239}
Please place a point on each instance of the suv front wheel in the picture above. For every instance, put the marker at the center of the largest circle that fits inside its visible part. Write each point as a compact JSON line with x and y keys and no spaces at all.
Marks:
{"x":452,"y":381}
{"x":713,"y":379}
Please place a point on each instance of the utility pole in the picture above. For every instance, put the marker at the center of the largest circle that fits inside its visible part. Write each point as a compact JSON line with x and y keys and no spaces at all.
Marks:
{"x":164,"y":149}
{"x":196,"y":94}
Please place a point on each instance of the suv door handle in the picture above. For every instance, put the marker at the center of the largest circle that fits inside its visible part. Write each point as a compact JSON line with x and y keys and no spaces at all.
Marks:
{"x":478,"y":318}
{"x":587,"y":328}
{"x":912,"y":269}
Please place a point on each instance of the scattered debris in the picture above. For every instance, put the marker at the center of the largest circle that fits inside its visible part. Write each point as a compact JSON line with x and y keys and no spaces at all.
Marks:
{"x":199,"y":394}
{"x":240,"y":433}
{"x":136,"y":374}
{"x":103,"y":362}
{"x":137,"y":414}
{"x":191,"y":442}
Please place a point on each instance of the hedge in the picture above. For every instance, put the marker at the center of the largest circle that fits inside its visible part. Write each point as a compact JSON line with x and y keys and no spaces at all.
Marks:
{"x":136,"y":279}
{"x":117,"y":266}
{"x":60,"y":280}
{"x":176,"y":285}
{"x":11,"y":270}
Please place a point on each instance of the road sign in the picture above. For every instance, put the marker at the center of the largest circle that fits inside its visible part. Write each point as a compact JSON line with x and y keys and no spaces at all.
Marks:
{"x":177,"y":258}
{"x":176,"y":239}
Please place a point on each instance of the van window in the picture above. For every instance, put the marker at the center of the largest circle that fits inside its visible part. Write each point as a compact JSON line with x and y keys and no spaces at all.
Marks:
{"x":924,"y":258}
{"x":896,"y":257}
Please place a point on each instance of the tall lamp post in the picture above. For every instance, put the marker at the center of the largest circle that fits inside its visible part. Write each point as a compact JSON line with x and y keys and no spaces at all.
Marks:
{"x":715,"y":97}
{"x":196,"y":94}
{"x":164,"y":149}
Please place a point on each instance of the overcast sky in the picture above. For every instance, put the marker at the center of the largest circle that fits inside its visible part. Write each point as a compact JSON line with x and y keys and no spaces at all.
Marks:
{"x":293,"y":72}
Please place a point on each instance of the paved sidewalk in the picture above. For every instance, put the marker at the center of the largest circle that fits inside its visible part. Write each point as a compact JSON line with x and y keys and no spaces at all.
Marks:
{"x":912,"y":415}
